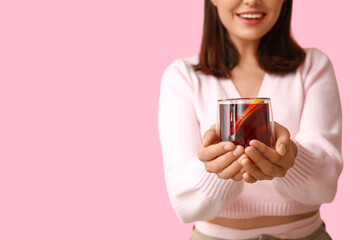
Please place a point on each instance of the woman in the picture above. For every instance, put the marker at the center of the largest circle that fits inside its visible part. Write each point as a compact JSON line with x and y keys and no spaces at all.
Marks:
{"x":258,"y":192}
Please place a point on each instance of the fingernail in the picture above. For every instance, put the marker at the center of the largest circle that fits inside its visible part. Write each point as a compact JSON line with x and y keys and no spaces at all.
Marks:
{"x":206,"y":139}
{"x":246,"y":175}
{"x":241,"y":158}
{"x":238,"y":150}
{"x":228,"y":147}
{"x":283,"y":148}
{"x":246,"y":164}
{"x":249,"y":149}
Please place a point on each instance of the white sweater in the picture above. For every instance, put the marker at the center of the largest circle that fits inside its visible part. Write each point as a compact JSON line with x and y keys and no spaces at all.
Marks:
{"x":306,"y":102}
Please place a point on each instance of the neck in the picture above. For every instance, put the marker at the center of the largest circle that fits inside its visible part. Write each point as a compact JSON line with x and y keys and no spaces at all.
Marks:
{"x":247,"y":50}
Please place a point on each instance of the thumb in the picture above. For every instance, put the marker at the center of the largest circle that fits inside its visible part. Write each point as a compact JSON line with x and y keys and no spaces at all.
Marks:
{"x":282,"y":136}
{"x":209,"y":136}
{"x":281,"y":149}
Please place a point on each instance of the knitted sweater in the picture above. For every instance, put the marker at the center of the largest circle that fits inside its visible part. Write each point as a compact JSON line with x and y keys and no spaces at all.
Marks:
{"x":306,"y":102}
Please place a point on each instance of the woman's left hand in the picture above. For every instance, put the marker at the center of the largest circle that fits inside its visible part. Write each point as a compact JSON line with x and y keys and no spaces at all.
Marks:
{"x":269,"y":162}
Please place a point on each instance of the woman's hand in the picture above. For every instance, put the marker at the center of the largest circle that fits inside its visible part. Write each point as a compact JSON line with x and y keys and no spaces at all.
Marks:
{"x":269,"y":162}
{"x":220,"y":157}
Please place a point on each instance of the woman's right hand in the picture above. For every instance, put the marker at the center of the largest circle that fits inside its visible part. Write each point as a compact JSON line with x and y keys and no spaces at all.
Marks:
{"x":221,"y":157}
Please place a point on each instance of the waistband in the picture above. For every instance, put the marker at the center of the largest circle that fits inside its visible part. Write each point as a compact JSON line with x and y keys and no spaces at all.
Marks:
{"x":298,"y":229}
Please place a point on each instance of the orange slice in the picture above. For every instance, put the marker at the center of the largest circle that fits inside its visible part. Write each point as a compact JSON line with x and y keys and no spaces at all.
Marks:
{"x":257,"y":101}
{"x":248,"y":111}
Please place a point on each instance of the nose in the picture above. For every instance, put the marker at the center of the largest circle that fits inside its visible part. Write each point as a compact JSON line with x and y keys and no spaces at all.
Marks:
{"x":252,"y":2}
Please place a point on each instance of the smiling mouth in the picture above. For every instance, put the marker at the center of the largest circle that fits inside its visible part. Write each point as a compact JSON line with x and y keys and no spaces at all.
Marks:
{"x":251,"y":16}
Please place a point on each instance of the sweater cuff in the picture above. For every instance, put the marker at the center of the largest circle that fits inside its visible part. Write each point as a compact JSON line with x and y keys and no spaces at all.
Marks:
{"x":305,"y":167}
{"x":214,"y":187}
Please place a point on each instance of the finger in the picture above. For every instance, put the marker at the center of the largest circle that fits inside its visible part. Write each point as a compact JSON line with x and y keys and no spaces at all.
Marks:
{"x":272,"y":156}
{"x":248,"y":178}
{"x":253,"y":170}
{"x":221,"y":162}
{"x":209,"y":136}
{"x":240,"y":173}
{"x":282,"y":136}
{"x":238,"y":176}
{"x":232,"y":169}
{"x":294,"y":147}
{"x":267,"y":152}
{"x":214,"y":150}
{"x":267,"y":167}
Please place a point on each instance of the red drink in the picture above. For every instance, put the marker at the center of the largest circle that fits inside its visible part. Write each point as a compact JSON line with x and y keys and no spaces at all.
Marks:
{"x":241,"y":120}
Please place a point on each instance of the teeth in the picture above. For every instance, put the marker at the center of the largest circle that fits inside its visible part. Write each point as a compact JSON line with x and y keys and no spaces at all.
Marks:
{"x":251,"y":16}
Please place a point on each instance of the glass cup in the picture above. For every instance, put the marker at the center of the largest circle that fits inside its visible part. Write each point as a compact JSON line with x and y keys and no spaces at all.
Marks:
{"x":240,"y":120}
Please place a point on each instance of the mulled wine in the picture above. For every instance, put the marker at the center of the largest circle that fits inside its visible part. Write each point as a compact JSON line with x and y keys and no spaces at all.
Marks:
{"x":243,"y":119}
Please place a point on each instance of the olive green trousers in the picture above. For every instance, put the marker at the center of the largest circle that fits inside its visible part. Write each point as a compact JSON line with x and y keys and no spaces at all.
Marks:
{"x":319,"y":234}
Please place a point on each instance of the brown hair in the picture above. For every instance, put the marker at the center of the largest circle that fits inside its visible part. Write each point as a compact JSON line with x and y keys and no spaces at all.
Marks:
{"x":278,"y":52}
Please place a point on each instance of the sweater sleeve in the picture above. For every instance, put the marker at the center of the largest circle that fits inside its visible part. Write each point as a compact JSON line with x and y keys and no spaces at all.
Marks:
{"x":318,"y":164}
{"x":194,"y":193}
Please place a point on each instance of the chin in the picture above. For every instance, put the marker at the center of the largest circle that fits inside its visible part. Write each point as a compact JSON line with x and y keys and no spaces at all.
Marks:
{"x":249,"y":37}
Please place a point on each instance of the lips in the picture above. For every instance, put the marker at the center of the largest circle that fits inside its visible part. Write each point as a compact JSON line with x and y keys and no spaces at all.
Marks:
{"x":251,"y":18}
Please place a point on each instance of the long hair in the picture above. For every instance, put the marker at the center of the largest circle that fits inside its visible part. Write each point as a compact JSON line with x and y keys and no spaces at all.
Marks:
{"x":278,"y":52}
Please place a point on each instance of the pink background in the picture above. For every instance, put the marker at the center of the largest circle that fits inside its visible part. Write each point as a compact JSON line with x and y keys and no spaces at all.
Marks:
{"x":79,"y":82}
